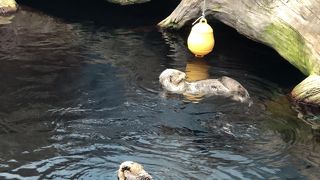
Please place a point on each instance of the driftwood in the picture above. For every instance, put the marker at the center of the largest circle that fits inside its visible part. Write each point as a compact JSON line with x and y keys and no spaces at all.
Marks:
{"x":308,"y":91}
{"x":291,"y":27}
{"x":7,"y":6}
{"x":128,"y":2}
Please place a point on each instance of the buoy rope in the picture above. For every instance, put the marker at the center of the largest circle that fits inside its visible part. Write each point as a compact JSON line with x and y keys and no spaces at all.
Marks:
{"x":203,"y":14}
{"x":204,"y":8}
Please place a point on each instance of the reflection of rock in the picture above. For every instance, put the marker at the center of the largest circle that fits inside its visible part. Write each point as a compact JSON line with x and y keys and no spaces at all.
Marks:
{"x":176,"y":44}
{"x":29,"y":67}
{"x":28,"y":24}
{"x":8,"y":6}
{"x":303,"y":138}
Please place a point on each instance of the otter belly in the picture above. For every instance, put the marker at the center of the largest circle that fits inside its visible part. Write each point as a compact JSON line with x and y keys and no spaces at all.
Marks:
{"x":207,"y":87}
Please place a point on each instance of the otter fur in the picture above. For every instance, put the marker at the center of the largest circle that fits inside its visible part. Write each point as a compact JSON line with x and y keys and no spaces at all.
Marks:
{"x":175,"y":81}
{"x":130,"y":170}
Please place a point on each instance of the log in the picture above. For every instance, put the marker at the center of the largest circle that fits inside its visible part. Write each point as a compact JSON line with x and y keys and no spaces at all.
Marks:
{"x":291,"y":27}
{"x":127,"y":2}
{"x":308,"y":91}
{"x":7,"y":7}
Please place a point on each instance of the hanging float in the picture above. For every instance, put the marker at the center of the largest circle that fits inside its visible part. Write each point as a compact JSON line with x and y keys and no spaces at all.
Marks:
{"x":201,"y":38}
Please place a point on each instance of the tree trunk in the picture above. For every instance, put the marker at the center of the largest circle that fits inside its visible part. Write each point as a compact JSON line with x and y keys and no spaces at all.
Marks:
{"x":291,"y":27}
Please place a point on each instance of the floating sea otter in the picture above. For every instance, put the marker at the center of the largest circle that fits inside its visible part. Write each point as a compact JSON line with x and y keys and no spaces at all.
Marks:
{"x":175,"y":81}
{"x":129,"y":170}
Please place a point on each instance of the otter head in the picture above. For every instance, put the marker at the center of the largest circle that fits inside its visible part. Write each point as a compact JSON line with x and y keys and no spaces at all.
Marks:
{"x":237,"y":91}
{"x":173,"y":80}
{"x":123,"y":168}
{"x":129,"y":170}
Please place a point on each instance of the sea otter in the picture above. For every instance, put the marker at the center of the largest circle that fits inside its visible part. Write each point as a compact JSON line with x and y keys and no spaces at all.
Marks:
{"x":129,"y":170}
{"x":175,"y":81}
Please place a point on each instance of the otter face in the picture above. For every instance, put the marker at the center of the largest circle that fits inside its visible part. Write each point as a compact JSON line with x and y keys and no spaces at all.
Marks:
{"x":129,"y":170}
{"x":125,"y":166}
{"x":173,"y":80}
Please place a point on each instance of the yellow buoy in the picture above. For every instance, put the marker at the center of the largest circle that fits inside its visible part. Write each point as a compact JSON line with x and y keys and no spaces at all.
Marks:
{"x":201,"y":40}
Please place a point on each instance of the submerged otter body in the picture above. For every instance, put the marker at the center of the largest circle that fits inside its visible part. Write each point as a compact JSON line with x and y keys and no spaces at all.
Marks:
{"x":175,"y":81}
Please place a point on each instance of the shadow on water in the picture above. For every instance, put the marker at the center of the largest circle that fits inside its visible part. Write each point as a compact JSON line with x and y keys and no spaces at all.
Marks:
{"x":79,"y":97}
{"x":103,"y":13}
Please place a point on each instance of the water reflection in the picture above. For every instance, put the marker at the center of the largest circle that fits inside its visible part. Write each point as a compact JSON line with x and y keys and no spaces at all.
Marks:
{"x":78,"y":99}
{"x":5,"y":19}
{"x":197,"y":69}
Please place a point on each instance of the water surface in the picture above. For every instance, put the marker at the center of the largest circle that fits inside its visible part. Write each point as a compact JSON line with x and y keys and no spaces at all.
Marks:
{"x":78,"y":97}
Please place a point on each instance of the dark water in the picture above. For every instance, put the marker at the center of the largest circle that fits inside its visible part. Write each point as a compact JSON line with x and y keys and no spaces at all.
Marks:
{"x":78,"y":96}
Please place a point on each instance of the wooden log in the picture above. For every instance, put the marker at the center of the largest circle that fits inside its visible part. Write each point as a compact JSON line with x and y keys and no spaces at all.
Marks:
{"x":8,"y":6}
{"x":128,"y":2}
{"x":308,"y":91}
{"x":291,"y":27}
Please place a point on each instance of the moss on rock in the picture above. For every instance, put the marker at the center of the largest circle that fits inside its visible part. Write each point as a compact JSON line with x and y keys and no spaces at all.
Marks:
{"x":290,"y":44}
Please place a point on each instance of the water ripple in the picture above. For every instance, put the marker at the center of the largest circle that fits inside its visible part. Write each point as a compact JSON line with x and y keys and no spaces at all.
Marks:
{"x":78,"y":98}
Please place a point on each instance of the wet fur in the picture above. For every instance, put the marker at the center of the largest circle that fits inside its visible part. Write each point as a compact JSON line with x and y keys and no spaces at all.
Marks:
{"x":175,"y":81}
{"x":129,"y":170}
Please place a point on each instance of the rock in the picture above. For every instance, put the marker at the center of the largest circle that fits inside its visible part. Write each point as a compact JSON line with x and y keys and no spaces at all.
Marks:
{"x":308,"y":91}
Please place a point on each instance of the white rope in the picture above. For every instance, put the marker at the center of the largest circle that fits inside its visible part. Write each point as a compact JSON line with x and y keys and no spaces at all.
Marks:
{"x":203,"y":15}
{"x":204,"y":8}
{"x":197,"y":20}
